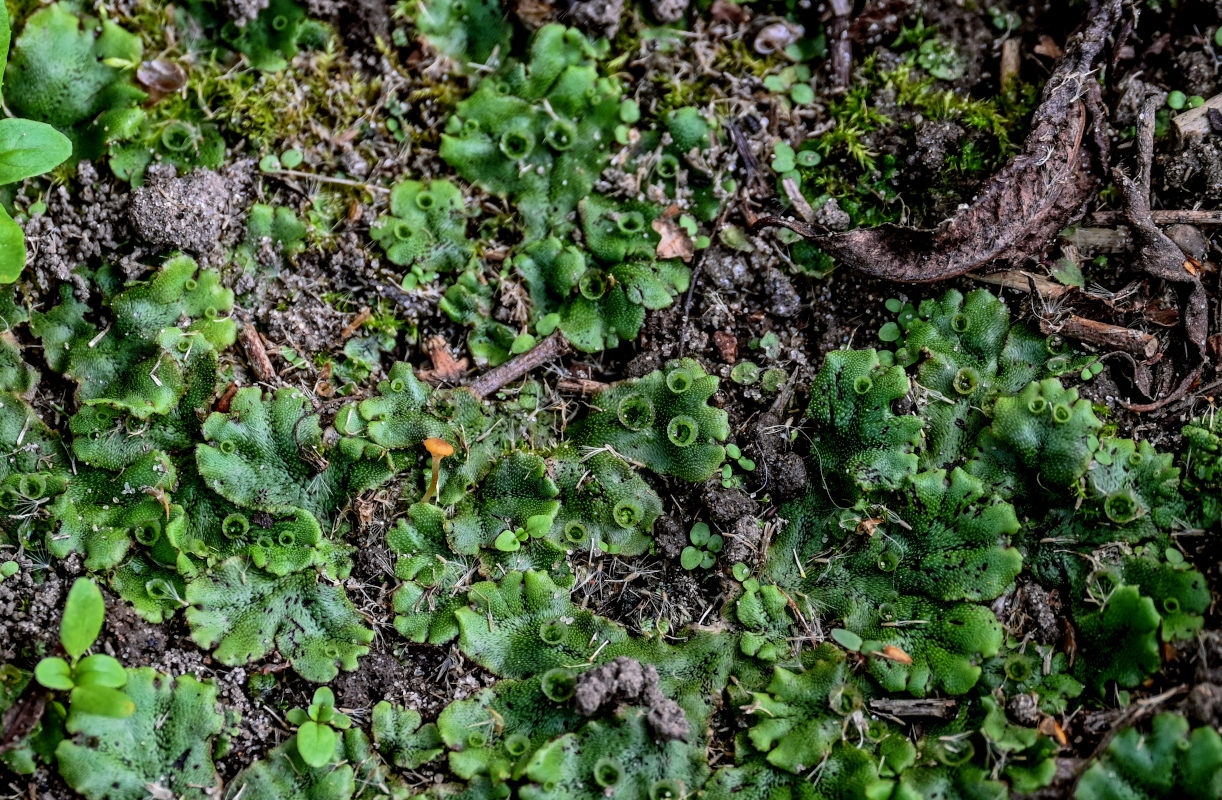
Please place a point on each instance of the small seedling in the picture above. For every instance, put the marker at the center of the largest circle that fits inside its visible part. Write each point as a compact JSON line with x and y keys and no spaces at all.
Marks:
{"x":745,"y":373}
{"x":8,"y":569}
{"x":770,"y":343}
{"x":318,"y":728}
{"x":728,"y":479}
{"x":1092,"y":371}
{"x":93,"y":681}
{"x":512,"y":539}
{"x":773,"y":379}
{"x":703,"y":550}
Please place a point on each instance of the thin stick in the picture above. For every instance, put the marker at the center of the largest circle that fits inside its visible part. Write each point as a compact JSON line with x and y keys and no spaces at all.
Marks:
{"x":1162,"y":216}
{"x":547,"y":350}
{"x":1101,"y":334}
{"x":326,"y":179}
{"x":256,"y":354}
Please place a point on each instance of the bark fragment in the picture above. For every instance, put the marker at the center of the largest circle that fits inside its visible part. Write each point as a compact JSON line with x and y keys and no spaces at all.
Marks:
{"x":1032,"y":197}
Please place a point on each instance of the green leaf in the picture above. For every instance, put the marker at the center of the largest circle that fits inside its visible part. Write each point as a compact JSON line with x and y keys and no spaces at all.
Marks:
{"x":102,"y":701}
{"x":690,"y":558}
{"x":54,"y":673}
{"x":283,"y":774}
{"x":100,"y":669}
{"x":162,"y":749}
{"x":83,"y":615}
{"x":507,"y":542}
{"x":29,"y":148}
{"x":1068,"y":272}
{"x":316,"y":743}
{"x":6,"y":33}
{"x":1169,"y":761}
{"x":847,"y":639}
{"x":401,"y":738}
{"x":12,"y":248}
{"x":245,"y":613}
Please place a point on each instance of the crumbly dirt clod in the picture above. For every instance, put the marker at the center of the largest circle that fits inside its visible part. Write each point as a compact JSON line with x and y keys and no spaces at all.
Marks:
{"x":625,"y":681}
{"x":77,"y":229}
{"x":198,"y":213}
{"x":599,"y":17}
{"x":243,"y":12}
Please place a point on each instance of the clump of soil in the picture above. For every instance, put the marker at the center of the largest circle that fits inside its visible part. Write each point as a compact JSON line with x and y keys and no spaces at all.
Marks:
{"x":626,"y":681}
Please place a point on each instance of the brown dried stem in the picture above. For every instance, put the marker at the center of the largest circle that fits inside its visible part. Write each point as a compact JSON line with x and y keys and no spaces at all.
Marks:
{"x":1162,"y":258}
{"x":256,"y":354}
{"x":549,"y":349}
{"x":1035,"y":195}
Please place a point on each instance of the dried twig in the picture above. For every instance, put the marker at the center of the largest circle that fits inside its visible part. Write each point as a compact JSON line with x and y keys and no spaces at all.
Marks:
{"x":1024,"y":281}
{"x":1161,"y":216}
{"x":1035,"y":195}
{"x":550,"y":348}
{"x":582,"y":386}
{"x":841,"y":46}
{"x":1162,"y":258}
{"x":1102,"y":334}
{"x":363,"y":316}
{"x":923,"y":707}
{"x":1195,"y":122}
{"x":20,"y":719}
{"x":256,"y":354}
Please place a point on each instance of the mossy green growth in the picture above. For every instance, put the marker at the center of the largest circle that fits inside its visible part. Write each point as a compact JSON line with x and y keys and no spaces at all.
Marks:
{"x":36,"y":468}
{"x":468,"y":302}
{"x":137,"y":360}
{"x":272,"y":38}
{"x":468,"y":32}
{"x":283,"y":773}
{"x":186,"y":143}
{"x":1045,"y":430}
{"x":515,"y":503}
{"x":425,"y":602}
{"x":969,"y":354}
{"x":102,"y":513}
{"x":615,"y":758}
{"x":400,"y":737}
{"x":1203,"y":470}
{"x":538,"y":133}
{"x":687,"y":128}
{"x":268,"y":455}
{"x":1180,"y":594}
{"x":860,"y":443}
{"x":604,"y":504}
{"x":525,"y":625}
{"x":111,"y":438}
{"x":661,"y":420}
{"x":1169,"y":761}
{"x":73,"y":73}
{"x":400,"y":416}
{"x":426,"y":230}
{"x":598,"y":306}
{"x":24,"y":753}
{"x":799,"y":719}
{"x":165,"y":744}
{"x":496,"y":732}
{"x":242,"y":613}
{"x":908,"y":559}
{"x":763,"y":612}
